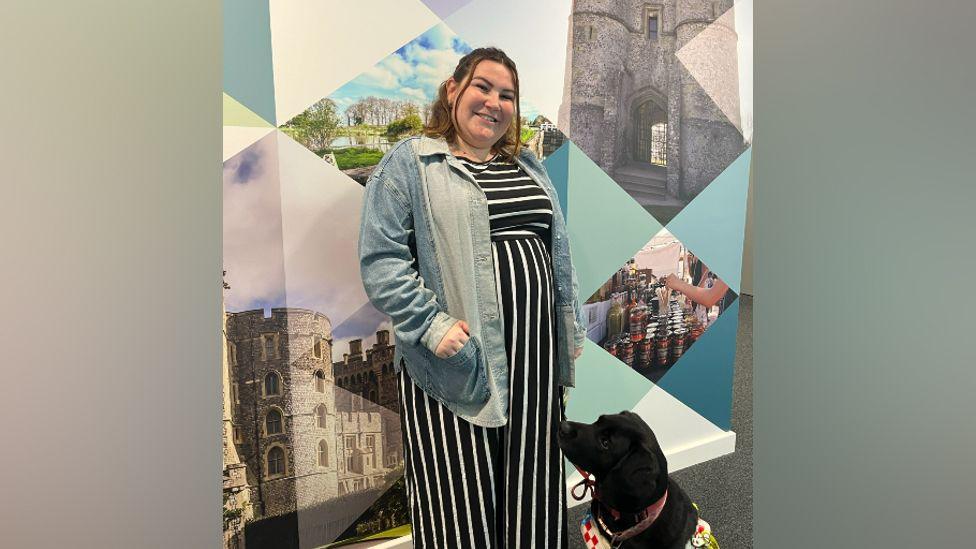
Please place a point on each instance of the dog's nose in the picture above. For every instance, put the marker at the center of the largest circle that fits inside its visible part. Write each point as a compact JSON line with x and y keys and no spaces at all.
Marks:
{"x":566,"y":430}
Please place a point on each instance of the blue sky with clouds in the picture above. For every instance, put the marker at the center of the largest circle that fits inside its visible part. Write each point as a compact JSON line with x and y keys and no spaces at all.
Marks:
{"x":413,"y":72}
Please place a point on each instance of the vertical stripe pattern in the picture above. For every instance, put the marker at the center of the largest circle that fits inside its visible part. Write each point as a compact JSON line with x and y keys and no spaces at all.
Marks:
{"x":472,"y":486}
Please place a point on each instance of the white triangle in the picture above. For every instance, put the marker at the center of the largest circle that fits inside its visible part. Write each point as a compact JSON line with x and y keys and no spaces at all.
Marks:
{"x":319,"y":45}
{"x":711,"y":57}
{"x":238,"y":138}
{"x":320,"y":210}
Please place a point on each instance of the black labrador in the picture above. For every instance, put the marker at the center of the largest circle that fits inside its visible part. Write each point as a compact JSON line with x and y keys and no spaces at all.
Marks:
{"x":631,"y":475}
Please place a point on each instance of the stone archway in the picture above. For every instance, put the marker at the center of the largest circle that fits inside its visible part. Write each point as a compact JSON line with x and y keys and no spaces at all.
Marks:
{"x":647,"y":129}
{"x":643,"y":152}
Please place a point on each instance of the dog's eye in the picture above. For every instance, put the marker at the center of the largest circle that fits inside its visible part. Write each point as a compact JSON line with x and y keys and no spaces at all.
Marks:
{"x":605,"y":442}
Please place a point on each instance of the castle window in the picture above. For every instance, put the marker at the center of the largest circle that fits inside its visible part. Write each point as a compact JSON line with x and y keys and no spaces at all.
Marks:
{"x":590,"y":32}
{"x":235,"y":393}
{"x":323,"y":454}
{"x":272,"y":422}
{"x":652,"y":21}
{"x":317,"y":347}
{"x":652,"y":27}
{"x":321,"y":416}
{"x":350,"y":448}
{"x":232,"y":352}
{"x":659,"y":144}
{"x":237,"y":434}
{"x":272,"y":384}
{"x":320,"y":381}
{"x":270,"y":349}
{"x":370,"y":441}
{"x":276,"y":461}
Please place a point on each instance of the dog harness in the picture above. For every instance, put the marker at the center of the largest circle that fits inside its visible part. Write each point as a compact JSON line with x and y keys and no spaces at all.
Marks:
{"x":595,"y":538}
{"x":597,"y":535}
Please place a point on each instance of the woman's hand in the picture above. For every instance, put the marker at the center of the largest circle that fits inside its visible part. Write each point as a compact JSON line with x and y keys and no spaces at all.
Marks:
{"x":577,"y":353}
{"x":453,"y":340}
{"x":671,"y":281}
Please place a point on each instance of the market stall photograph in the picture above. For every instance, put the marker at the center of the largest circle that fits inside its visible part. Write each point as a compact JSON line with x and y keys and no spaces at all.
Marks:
{"x":656,"y":306}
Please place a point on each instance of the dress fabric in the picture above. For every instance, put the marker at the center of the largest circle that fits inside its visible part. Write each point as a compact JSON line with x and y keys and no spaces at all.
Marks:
{"x":472,"y":486}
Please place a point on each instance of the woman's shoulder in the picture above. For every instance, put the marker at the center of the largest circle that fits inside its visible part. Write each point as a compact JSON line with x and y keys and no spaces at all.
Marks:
{"x":401,"y":156}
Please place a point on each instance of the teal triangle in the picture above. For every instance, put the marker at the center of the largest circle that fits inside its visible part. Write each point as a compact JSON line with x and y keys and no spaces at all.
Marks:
{"x":702,"y":378}
{"x":604,"y":385}
{"x":606,"y":226}
{"x":248,"y":73}
{"x":713,"y":224}
{"x":557,"y":167}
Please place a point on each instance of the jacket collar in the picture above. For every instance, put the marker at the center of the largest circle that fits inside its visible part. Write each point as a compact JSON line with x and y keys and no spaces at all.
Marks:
{"x":432,"y":145}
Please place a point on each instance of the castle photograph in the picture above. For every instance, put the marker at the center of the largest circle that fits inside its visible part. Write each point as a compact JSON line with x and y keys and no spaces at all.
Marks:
{"x":311,"y":439}
{"x":653,"y":95}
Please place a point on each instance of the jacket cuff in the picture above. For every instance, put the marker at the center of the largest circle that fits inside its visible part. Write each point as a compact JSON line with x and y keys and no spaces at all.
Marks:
{"x":435,"y":332}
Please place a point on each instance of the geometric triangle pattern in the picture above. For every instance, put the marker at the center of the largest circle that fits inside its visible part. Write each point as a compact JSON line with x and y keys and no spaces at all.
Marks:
{"x":319,"y":46}
{"x":320,"y":209}
{"x":238,"y":138}
{"x":248,"y":69}
{"x":557,"y":167}
{"x":676,"y":425}
{"x":711,"y":58}
{"x":606,"y":226}
{"x":681,"y":431}
{"x":598,"y":375}
{"x":713,"y":224}
{"x":444,"y":8}
{"x":702,"y":379}
{"x":236,"y":114}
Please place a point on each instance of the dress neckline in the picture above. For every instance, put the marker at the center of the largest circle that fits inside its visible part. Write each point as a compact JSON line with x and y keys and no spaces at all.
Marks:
{"x":475,"y":162}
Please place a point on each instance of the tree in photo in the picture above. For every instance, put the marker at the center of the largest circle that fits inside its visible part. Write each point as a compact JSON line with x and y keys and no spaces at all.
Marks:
{"x":317,"y":126}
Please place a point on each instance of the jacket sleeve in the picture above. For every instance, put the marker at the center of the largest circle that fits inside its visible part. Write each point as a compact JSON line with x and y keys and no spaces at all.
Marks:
{"x":386,"y":262}
{"x":580,"y":334}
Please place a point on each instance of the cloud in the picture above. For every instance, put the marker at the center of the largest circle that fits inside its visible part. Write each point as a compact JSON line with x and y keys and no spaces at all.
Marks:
{"x":252,"y":248}
{"x":413,"y":72}
{"x":416,"y":93}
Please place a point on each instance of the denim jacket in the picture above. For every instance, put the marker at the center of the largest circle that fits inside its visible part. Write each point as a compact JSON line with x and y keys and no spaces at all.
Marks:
{"x":426,"y":261}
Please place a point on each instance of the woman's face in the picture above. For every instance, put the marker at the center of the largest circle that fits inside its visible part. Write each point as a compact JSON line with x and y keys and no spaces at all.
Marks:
{"x":487,"y":106}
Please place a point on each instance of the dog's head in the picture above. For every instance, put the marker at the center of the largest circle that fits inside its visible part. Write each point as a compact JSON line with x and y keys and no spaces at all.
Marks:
{"x":623,"y":454}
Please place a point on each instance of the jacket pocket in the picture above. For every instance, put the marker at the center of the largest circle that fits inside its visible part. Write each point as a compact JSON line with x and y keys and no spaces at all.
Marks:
{"x":460,"y":378}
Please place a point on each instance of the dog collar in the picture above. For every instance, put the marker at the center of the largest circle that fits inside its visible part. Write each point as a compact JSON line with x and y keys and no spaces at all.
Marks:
{"x":645,"y":519}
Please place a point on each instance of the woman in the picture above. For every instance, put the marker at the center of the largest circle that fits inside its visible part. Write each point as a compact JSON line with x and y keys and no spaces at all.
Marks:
{"x":463,"y":244}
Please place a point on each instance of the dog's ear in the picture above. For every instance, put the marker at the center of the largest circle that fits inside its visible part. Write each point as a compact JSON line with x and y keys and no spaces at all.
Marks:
{"x":634,"y":483}
{"x":639,"y":432}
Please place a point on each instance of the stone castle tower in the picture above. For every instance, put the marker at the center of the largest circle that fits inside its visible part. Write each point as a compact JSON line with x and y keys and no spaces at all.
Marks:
{"x":311,"y":449}
{"x":631,"y":105}
{"x":284,"y":398}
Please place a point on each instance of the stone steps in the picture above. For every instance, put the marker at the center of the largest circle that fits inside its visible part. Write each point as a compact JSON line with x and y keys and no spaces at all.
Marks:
{"x":646,"y":184}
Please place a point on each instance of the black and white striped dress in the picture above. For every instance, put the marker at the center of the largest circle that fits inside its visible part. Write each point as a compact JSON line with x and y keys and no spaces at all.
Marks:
{"x":504,"y":487}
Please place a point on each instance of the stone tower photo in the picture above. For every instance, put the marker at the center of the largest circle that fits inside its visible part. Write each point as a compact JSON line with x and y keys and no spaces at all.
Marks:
{"x":635,"y":110}
{"x":314,"y":453}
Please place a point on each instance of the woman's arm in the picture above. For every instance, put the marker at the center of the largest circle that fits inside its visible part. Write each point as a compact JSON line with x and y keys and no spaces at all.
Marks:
{"x":385,"y":261}
{"x":703,"y":296}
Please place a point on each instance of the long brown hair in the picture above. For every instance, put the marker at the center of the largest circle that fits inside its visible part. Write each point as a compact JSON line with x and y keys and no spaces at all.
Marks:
{"x":443,"y":116}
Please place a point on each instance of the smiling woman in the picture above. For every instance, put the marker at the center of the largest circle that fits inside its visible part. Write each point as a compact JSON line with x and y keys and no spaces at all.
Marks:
{"x":477,"y":108}
{"x":463,"y":244}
